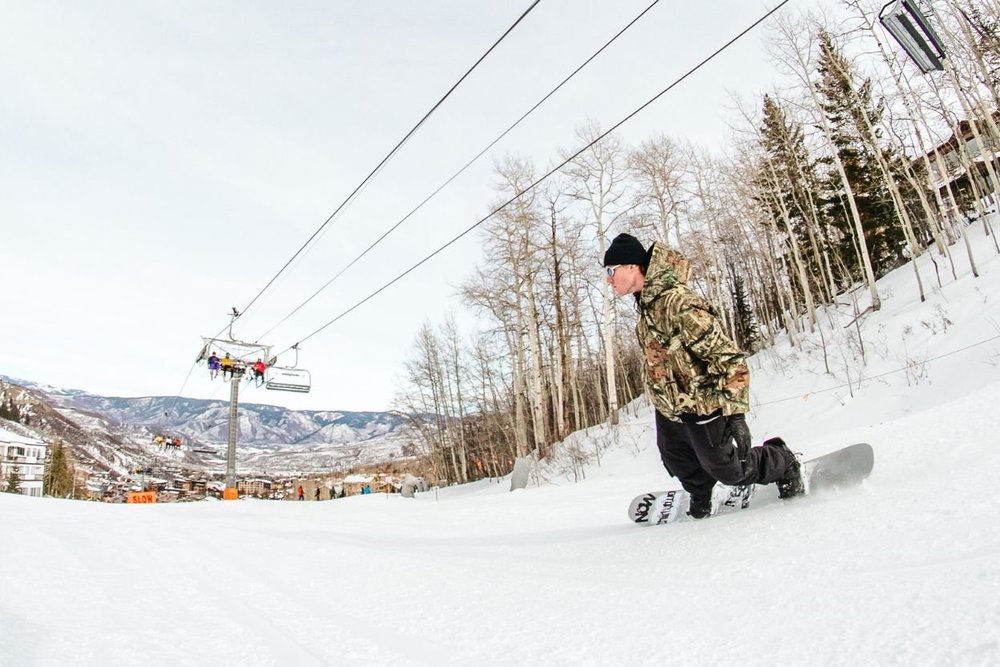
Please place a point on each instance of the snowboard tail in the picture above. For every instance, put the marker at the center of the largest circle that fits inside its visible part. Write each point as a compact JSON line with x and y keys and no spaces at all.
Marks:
{"x":844,"y":467}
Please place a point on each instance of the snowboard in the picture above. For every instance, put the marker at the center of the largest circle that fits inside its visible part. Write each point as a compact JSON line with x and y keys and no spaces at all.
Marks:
{"x":840,"y":468}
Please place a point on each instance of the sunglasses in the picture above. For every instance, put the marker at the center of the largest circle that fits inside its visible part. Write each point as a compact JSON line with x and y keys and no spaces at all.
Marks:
{"x":610,"y":270}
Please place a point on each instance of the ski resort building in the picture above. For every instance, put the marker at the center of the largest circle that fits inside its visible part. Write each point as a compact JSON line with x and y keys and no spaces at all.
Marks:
{"x":22,"y":458}
{"x":962,"y":167}
{"x":254,"y":487}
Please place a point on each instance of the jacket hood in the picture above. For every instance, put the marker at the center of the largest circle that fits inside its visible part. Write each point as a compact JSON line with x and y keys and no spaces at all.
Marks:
{"x":667,"y":269}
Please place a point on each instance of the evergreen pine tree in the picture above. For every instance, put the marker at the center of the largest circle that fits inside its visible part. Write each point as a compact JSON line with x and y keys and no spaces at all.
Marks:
{"x":58,"y":478}
{"x":744,"y":321}
{"x":790,"y":175}
{"x":845,"y":111}
{"x":986,"y":31}
{"x":12,"y":483}
{"x":12,"y":412}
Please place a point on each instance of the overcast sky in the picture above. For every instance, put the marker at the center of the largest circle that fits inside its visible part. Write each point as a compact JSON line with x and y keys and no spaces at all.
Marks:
{"x":161,"y":161}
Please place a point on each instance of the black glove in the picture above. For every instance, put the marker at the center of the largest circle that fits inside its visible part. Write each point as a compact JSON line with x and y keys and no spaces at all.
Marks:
{"x":737,"y":429}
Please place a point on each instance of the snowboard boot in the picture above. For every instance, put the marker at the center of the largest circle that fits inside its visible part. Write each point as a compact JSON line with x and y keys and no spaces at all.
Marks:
{"x":700,"y":508}
{"x":792,"y":482}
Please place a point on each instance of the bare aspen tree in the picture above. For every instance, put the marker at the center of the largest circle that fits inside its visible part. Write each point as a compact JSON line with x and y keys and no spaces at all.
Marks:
{"x":974,"y":116}
{"x":424,"y":375}
{"x":967,"y":88}
{"x":943,"y":109}
{"x":581,"y":333}
{"x":525,"y":221}
{"x":797,"y":59}
{"x":800,"y":172}
{"x":974,"y":35}
{"x":556,"y":252}
{"x":494,"y":401}
{"x":452,"y":347}
{"x":658,"y":169}
{"x":869,"y":134}
{"x":780,"y":177}
{"x":536,"y":394}
{"x":800,"y":269}
{"x":764,"y":289}
{"x":512,"y":253}
{"x":781,"y":275}
{"x":967,"y":70}
{"x":737,"y":250}
{"x":967,"y":166}
{"x":917,"y":124}
{"x":597,"y":178}
{"x":703,"y":245}
{"x":492,"y":292}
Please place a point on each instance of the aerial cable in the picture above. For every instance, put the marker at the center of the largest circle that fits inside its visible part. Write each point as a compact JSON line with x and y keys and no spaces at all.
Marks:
{"x":173,"y":403}
{"x":460,"y":171}
{"x":552,"y":171}
{"x":387,"y":157}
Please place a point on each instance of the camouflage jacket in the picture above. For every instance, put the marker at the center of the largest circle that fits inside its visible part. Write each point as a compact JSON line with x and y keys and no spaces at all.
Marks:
{"x":692,"y":366}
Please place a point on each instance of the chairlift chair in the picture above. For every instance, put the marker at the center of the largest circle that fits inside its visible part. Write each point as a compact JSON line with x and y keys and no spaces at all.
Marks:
{"x":280,"y":378}
{"x":238,"y":351}
{"x":287,"y":378}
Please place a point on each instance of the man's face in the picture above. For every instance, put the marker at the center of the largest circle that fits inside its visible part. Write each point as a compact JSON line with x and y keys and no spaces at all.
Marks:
{"x":625,"y":279}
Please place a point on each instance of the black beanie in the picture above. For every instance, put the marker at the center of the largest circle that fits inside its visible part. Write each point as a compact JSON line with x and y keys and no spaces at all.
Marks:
{"x":625,"y":249}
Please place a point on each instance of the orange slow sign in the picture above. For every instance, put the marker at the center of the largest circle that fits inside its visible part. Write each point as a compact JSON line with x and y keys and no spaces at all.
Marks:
{"x":141,"y":497}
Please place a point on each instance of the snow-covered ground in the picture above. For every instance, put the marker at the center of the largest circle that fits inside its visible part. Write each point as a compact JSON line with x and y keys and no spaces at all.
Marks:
{"x":904,"y":570}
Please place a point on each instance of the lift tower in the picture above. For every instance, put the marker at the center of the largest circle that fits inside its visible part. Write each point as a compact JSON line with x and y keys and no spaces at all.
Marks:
{"x":234,"y":359}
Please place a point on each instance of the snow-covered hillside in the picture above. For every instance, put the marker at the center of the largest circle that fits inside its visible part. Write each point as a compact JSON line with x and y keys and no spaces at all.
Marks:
{"x":904,"y":570}
{"x":109,"y":434}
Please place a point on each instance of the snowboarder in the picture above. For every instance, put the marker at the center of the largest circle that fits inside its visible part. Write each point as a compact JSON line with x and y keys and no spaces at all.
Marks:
{"x":302,"y":493}
{"x":696,"y":378}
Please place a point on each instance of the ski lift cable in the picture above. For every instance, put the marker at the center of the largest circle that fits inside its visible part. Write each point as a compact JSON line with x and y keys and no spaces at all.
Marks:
{"x":552,"y":171}
{"x":463,"y":168}
{"x":388,"y":156}
{"x":173,"y":403}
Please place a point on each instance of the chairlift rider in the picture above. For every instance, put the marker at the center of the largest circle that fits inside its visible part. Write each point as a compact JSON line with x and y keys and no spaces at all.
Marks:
{"x":213,"y":366}
{"x":227,"y":366}
{"x":258,"y":372}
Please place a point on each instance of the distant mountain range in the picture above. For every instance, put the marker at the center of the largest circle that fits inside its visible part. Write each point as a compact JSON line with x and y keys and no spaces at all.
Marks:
{"x":115,"y":434}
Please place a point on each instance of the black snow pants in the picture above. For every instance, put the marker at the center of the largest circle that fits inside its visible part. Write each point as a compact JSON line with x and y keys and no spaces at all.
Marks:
{"x":700,"y":451}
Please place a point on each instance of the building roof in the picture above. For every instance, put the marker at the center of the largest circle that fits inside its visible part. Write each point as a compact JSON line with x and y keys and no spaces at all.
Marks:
{"x":9,"y":436}
{"x":358,"y":479}
{"x":964,"y":131}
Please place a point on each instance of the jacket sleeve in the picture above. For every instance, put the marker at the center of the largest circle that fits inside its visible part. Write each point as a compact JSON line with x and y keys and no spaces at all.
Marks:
{"x":704,"y":337}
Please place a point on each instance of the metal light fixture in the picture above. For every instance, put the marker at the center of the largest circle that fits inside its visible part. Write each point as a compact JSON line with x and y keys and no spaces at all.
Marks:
{"x":908,"y":25}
